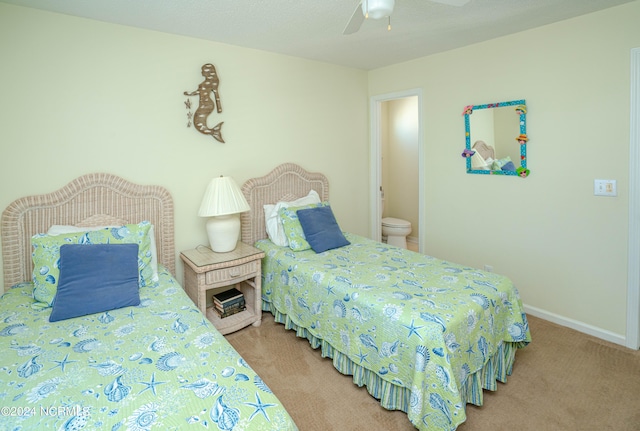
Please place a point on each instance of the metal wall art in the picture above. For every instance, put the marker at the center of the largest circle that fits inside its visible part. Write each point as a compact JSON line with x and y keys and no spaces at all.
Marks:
{"x":206,"y":105}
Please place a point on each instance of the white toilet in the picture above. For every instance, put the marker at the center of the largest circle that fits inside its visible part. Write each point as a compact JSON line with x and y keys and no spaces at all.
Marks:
{"x":396,"y":231}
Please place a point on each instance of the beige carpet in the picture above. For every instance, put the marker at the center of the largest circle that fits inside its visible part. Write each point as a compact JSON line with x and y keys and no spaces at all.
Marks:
{"x":563,"y":380}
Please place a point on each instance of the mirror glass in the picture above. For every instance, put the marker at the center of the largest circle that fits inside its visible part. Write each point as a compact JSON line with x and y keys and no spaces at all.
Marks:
{"x":496,"y":138}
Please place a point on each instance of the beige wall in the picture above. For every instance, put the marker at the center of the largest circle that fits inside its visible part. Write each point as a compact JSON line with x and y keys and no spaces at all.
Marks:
{"x":565,"y":248}
{"x":79,"y":96}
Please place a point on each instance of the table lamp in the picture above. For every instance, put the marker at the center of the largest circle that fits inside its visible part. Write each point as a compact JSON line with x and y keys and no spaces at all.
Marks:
{"x":222,"y":203}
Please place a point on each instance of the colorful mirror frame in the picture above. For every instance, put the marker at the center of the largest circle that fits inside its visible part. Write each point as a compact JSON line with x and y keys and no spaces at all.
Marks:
{"x":522,"y":139}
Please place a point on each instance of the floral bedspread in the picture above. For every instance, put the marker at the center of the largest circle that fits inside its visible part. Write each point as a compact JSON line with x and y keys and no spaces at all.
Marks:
{"x":161,"y":365}
{"x":433,"y":333}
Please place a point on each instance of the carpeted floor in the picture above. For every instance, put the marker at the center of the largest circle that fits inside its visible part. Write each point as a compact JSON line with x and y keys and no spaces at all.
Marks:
{"x":564,"y":380}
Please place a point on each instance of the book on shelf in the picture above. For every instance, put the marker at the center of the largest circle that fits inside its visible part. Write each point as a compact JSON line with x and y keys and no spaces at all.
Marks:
{"x":230,"y":311}
{"x":226,"y":308}
{"x":228,"y":296}
{"x":229,"y":303}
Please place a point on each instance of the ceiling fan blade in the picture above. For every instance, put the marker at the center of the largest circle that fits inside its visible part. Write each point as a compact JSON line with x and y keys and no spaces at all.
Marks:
{"x":355,"y":22}
{"x":452,"y":2}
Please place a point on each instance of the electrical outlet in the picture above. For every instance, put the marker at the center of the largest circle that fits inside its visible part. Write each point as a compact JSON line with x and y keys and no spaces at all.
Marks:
{"x":605,"y":188}
{"x":488,"y":268}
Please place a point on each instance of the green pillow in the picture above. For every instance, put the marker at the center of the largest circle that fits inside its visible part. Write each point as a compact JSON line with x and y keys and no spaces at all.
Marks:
{"x":46,"y":255}
{"x":293,"y":228}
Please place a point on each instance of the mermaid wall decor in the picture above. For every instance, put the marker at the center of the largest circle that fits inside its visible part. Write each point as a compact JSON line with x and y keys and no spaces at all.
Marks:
{"x":206,"y":104}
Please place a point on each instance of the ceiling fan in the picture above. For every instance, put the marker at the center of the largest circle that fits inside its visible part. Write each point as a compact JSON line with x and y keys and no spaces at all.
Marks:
{"x":376,"y":9}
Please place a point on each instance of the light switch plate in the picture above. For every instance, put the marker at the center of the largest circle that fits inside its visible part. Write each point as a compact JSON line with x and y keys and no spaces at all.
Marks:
{"x":605,"y":188}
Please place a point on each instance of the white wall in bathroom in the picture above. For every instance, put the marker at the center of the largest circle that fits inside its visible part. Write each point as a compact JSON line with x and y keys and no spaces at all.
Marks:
{"x":400,"y":160}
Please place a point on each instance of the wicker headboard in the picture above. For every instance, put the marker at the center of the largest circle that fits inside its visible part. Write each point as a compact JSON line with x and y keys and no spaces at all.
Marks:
{"x":90,"y":200}
{"x":286,"y":182}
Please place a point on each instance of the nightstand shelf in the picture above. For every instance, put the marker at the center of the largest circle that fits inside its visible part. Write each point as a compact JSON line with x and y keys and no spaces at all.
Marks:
{"x":207,"y":272}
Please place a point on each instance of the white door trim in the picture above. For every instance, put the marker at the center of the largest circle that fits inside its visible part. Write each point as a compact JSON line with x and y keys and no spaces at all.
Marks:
{"x":375,"y":170}
{"x":633,"y":290}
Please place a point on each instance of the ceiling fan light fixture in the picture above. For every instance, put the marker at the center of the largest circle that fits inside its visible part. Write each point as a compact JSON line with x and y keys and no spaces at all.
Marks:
{"x":377,"y":9}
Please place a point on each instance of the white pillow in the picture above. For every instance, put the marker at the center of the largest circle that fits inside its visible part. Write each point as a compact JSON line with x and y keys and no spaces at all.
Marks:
{"x":58,"y":229}
{"x":477,"y":162}
{"x":273,"y":223}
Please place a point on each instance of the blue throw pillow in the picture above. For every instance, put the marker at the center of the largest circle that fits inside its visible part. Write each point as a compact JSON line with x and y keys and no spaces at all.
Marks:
{"x":321,"y":229}
{"x":509,"y":166}
{"x":95,"y":278}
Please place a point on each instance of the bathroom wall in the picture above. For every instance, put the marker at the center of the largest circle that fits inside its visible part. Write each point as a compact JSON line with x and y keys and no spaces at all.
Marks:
{"x":400,"y":161}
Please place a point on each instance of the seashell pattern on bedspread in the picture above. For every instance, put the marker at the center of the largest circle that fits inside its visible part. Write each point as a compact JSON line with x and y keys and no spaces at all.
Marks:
{"x":158,"y":366}
{"x":425,"y":335}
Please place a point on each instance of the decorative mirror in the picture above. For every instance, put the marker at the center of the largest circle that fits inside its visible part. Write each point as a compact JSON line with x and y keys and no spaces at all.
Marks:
{"x":498,"y":143}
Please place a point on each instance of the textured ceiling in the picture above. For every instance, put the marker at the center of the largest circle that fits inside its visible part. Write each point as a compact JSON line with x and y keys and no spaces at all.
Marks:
{"x":313,"y":28}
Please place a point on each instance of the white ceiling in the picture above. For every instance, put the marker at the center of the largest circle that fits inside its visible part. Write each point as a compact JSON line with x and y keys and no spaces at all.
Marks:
{"x":313,"y":28}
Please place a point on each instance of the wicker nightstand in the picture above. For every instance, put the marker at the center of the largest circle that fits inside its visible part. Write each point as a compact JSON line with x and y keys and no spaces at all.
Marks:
{"x":205,"y":269}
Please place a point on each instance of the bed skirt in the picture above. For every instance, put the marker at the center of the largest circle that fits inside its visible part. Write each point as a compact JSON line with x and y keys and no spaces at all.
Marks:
{"x":394,"y":397}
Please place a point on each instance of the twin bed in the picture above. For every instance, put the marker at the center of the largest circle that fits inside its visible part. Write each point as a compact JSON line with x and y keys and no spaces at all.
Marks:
{"x":158,"y":365}
{"x":423,"y":335}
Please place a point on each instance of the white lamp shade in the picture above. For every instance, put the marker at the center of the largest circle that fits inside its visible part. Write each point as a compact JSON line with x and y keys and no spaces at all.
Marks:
{"x":223,"y":197}
{"x":377,"y":9}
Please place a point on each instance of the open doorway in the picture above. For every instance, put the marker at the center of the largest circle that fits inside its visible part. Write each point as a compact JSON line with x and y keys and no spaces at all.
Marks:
{"x":393,"y":146}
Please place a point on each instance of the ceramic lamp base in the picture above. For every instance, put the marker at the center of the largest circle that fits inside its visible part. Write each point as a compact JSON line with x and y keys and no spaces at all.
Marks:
{"x":223,"y":232}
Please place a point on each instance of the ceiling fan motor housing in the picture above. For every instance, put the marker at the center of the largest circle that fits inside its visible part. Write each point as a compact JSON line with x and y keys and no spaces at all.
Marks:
{"x":377,"y":8}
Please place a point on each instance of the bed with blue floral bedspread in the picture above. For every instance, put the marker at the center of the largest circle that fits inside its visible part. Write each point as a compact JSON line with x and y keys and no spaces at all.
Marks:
{"x":156,"y":365}
{"x":424,"y":335}
{"x":160,"y":365}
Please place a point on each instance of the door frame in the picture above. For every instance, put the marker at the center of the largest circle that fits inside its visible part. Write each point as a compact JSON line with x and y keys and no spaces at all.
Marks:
{"x":633,"y":289}
{"x":375,"y":165}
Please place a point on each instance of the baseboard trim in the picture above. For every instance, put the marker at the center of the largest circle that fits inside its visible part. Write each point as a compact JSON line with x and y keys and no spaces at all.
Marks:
{"x":575,"y":324}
